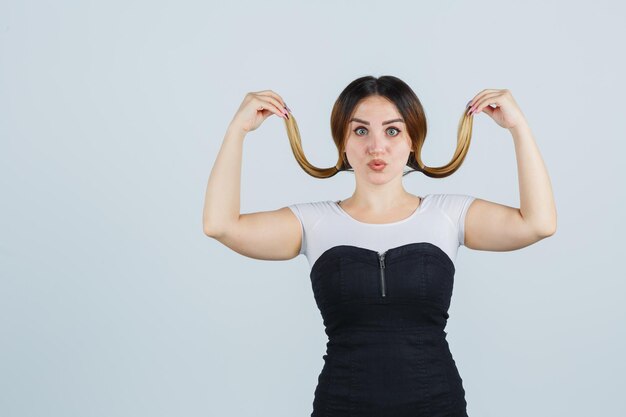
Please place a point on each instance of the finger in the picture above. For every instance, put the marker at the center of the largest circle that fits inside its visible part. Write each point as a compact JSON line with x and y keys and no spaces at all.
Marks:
{"x":275,"y":101}
{"x":269,"y":104}
{"x":488,"y":109}
{"x":270,"y":93}
{"x":481,"y":95}
{"x":276,"y":96}
{"x":477,"y":98}
{"x":480,"y":103}
{"x":279,"y":106}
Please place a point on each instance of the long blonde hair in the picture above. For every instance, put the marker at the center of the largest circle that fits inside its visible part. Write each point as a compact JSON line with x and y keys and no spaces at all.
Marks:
{"x":409,"y":106}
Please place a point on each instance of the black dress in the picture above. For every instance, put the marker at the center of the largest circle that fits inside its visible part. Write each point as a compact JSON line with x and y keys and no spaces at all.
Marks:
{"x":385,"y":314}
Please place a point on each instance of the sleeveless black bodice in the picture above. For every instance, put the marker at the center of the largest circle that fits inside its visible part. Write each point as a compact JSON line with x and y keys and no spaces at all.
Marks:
{"x":385,"y":314}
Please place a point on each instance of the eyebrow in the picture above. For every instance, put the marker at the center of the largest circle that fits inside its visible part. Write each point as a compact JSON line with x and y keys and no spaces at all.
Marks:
{"x":354,"y":119}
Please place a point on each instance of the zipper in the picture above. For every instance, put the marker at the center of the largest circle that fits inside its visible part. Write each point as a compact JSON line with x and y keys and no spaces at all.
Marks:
{"x":381,"y":258}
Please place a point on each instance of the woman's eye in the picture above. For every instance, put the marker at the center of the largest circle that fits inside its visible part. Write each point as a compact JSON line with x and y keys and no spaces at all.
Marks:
{"x":362,"y":128}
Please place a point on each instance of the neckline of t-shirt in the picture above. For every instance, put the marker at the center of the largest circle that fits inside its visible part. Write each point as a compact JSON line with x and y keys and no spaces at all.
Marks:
{"x":415,"y":213}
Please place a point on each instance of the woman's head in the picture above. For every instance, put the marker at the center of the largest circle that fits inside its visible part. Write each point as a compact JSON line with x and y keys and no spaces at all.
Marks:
{"x":376,"y":132}
{"x":376,"y":100}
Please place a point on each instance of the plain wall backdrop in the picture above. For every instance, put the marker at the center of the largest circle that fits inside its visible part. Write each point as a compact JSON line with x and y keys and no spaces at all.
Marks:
{"x":114,"y":303}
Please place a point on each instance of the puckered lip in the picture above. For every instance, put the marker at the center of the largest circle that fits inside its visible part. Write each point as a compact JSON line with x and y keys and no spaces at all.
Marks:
{"x":376,"y":161}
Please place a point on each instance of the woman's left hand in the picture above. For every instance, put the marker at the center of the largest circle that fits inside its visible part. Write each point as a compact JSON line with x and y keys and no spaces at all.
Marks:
{"x":506,"y":112}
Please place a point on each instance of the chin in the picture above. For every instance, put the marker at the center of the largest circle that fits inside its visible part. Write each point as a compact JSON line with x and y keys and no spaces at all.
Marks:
{"x":378,"y":177}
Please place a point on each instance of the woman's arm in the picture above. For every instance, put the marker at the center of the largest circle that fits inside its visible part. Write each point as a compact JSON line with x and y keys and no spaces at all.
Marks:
{"x":221,"y":204}
{"x":270,"y":235}
{"x":497,"y":227}
{"x":222,"y":197}
{"x":536,"y":198}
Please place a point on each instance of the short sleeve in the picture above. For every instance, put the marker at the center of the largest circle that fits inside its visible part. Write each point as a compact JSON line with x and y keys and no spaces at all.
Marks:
{"x":456,"y":206}
{"x":310,"y":214}
{"x":466,"y":202}
{"x":295,"y":208}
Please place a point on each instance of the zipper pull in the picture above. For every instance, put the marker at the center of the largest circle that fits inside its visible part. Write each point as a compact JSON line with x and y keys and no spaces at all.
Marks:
{"x":381,"y":258}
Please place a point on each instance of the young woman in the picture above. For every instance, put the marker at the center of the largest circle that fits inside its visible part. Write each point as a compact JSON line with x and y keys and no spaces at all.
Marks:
{"x":383,"y":260}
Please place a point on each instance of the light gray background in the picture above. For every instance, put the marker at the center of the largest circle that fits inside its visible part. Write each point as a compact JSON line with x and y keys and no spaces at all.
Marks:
{"x":114,"y":303}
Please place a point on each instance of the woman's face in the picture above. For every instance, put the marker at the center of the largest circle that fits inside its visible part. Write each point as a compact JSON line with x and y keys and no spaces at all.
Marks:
{"x":377,"y":131}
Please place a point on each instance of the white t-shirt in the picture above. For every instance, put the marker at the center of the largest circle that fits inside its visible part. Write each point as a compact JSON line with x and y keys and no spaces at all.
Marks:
{"x":439,"y":219}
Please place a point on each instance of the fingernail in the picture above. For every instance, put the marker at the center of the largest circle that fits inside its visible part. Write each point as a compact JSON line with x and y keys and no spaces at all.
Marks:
{"x":468,"y":103}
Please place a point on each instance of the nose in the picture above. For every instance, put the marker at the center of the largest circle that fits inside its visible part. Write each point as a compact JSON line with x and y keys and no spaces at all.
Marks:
{"x":377,"y":144}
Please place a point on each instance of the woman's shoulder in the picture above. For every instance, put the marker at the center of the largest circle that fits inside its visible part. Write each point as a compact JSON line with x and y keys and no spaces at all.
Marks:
{"x":314,"y":205}
{"x":452,"y":204}
{"x":449,"y":198}
{"x":312,"y":208}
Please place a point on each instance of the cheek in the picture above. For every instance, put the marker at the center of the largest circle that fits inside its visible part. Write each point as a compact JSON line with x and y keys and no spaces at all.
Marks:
{"x":355,"y":150}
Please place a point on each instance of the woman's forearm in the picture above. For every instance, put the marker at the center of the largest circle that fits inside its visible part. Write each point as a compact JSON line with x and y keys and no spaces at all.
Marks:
{"x":536,"y":198}
{"x":221,"y":202}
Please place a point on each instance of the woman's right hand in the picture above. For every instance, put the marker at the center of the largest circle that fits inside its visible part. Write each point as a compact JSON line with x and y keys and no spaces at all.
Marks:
{"x":256,"y":107}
